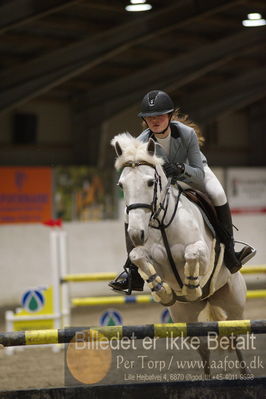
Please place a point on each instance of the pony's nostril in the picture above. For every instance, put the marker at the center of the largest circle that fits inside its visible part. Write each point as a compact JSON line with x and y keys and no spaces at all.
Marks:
{"x":137,"y":237}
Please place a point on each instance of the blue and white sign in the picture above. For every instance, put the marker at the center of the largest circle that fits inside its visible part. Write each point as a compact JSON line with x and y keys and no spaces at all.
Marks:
{"x":111,"y":318}
{"x":165,"y":316}
{"x":33,"y":300}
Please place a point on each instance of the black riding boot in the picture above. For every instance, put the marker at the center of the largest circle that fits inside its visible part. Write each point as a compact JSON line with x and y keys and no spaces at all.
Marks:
{"x":129,"y":280}
{"x":232,"y":259}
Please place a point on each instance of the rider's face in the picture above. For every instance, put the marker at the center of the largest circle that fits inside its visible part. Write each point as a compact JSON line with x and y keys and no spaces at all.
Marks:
{"x":157,"y":123}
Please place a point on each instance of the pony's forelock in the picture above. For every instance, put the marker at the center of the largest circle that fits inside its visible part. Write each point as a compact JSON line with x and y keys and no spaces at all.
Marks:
{"x":133,"y":150}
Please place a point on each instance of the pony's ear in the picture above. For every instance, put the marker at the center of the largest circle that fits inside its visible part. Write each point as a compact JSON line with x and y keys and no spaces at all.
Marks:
{"x":118,"y":149}
{"x":151,"y":147}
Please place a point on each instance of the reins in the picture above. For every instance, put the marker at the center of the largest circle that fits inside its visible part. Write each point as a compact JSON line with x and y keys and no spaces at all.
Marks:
{"x":165,"y":208}
{"x":161,"y":226}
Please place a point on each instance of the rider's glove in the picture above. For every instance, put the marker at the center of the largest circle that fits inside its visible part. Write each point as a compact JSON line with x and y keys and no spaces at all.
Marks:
{"x":173,"y":169}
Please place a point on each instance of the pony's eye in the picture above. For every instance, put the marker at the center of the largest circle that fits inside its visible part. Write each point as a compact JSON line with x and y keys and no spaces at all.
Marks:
{"x":120,"y":185}
{"x":150,"y":182}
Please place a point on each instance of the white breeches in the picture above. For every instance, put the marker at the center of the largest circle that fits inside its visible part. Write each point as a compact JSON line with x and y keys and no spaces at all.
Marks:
{"x":213,"y":188}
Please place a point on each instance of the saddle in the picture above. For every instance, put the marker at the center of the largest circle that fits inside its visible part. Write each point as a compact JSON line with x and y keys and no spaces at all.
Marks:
{"x":219,"y":232}
{"x":207,"y":209}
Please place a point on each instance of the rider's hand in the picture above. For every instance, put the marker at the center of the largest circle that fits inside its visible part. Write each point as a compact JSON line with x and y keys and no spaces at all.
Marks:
{"x":173,"y":169}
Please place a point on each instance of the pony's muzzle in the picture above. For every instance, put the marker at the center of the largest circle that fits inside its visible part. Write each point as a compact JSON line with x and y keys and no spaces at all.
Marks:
{"x":137,"y":237}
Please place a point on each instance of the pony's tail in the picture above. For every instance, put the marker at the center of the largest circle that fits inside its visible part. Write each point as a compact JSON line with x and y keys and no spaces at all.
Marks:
{"x":212,"y":313}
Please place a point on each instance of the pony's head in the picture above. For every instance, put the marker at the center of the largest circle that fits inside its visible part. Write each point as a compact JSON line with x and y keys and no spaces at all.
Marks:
{"x":130,"y":149}
{"x":141,"y":181}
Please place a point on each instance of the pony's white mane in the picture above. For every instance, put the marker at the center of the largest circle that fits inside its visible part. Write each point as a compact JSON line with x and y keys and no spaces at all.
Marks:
{"x":133,"y":150}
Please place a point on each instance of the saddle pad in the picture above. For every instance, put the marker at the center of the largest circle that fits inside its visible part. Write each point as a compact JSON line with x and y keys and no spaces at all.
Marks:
{"x":206,"y":208}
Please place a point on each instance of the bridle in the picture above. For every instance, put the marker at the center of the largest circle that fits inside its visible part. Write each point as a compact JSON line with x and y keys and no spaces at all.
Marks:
{"x":153,"y":206}
{"x":157,"y":181}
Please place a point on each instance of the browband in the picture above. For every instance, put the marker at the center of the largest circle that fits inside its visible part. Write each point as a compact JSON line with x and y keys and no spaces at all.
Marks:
{"x":134,"y":164}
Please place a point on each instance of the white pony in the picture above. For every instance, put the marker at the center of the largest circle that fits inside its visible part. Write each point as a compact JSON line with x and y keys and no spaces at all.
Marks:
{"x":174,"y":249}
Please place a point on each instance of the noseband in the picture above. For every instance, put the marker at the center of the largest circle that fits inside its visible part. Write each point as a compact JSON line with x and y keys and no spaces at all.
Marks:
{"x":137,"y":205}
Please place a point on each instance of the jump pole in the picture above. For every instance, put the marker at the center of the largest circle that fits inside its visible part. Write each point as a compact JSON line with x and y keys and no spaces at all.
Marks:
{"x":256,"y":294}
{"x":253,"y":269}
{"x":131,"y":299}
{"x":112,"y":300}
{"x":54,"y":255}
{"x":172,"y":330}
{"x":86,"y":277}
{"x":59,"y":263}
{"x":63,"y":288}
{"x":59,"y":260}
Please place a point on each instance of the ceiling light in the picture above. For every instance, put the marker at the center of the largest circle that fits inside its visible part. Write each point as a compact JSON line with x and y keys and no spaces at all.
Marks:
{"x":137,"y":1}
{"x":251,"y":23}
{"x":138,"y":7}
{"x":254,"y":19}
{"x":252,"y":15}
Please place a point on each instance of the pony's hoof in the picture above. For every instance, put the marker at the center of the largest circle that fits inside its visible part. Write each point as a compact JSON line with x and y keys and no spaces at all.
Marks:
{"x":165,"y":303}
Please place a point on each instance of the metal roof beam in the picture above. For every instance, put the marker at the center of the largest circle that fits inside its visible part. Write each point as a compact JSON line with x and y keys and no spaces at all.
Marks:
{"x":20,"y":12}
{"x":33,"y":78}
{"x":205,"y":106}
{"x":171,"y":75}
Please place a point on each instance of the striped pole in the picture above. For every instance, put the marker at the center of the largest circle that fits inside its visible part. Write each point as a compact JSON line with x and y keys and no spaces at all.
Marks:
{"x":256,"y":294}
{"x":112,"y":300}
{"x":253,"y":269}
{"x":131,"y":299}
{"x":172,"y":330}
{"x":86,"y":277}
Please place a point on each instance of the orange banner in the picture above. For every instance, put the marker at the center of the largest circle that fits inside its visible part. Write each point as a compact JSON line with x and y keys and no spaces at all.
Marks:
{"x":25,"y":194}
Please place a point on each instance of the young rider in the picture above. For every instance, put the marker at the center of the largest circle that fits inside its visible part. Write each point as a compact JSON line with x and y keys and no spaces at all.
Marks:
{"x":179,"y":146}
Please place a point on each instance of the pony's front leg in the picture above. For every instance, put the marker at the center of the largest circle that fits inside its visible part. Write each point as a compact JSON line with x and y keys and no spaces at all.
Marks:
{"x":195,"y":256}
{"x":160,"y":291}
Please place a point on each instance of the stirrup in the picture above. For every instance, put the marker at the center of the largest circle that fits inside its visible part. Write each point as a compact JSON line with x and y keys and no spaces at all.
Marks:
{"x":128,"y":276}
{"x":250,"y":255}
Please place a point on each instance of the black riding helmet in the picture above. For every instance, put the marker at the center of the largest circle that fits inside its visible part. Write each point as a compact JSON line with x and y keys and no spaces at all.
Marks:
{"x":156,"y":102}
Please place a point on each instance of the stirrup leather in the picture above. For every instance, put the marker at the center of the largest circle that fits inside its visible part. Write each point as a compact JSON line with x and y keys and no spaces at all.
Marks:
{"x":128,"y":270}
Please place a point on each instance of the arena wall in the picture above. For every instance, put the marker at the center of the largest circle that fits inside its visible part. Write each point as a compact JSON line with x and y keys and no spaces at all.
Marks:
{"x":92,"y":247}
